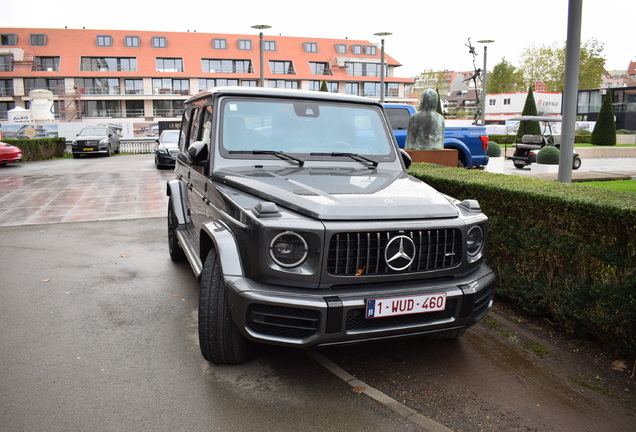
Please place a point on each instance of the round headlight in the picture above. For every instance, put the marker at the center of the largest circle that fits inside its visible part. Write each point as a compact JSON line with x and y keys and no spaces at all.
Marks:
{"x":474,"y":241}
{"x":288,"y":249}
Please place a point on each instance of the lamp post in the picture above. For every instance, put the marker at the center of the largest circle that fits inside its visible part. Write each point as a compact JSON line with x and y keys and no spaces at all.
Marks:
{"x":260,"y":47}
{"x":382,"y":34}
{"x":483,"y":81}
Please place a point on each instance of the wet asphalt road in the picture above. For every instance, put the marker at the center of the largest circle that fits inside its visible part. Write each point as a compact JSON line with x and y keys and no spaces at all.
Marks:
{"x":99,"y":333}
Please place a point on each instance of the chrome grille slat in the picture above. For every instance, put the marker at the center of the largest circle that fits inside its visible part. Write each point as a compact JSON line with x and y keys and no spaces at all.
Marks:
{"x":363,"y":252}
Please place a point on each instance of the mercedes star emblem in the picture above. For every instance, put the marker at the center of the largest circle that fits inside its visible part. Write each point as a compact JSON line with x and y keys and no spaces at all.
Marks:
{"x":399,"y":253}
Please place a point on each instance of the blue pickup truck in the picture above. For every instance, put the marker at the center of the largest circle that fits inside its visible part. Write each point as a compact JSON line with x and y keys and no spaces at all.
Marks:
{"x":471,"y":142}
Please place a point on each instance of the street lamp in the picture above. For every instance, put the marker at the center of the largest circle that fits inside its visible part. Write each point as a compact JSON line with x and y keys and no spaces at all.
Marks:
{"x":382,"y":34}
{"x":260,"y":45}
{"x":483,"y":82}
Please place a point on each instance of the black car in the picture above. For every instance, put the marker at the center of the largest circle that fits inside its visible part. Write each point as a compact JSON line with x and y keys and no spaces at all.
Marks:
{"x":167,"y":148}
{"x":100,"y":139}
{"x":296,"y":213}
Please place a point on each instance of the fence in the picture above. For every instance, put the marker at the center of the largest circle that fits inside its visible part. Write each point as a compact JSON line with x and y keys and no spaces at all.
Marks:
{"x":129,"y":146}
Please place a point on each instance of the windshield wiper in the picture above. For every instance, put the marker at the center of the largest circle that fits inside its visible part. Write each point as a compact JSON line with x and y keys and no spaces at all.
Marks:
{"x":354,"y":156}
{"x":278,"y":154}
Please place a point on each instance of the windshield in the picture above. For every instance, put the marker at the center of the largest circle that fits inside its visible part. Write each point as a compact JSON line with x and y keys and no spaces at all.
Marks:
{"x":304,"y":128}
{"x":94,"y":131}
{"x":169,"y":137}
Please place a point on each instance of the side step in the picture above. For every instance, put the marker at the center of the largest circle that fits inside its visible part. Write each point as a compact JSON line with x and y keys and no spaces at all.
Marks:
{"x":189,"y":248}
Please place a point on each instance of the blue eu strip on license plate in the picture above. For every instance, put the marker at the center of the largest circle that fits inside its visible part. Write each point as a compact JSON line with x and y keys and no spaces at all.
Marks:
{"x":380,"y":308}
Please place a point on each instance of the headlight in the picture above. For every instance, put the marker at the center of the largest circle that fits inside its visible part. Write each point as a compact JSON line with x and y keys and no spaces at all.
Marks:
{"x":104,"y":141}
{"x":474,"y":242}
{"x":288,"y":249}
{"x":162,"y":150}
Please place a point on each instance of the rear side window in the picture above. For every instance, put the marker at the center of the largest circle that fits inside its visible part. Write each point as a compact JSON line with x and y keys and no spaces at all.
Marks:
{"x":398,"y":118}
{"x":185,"y":127}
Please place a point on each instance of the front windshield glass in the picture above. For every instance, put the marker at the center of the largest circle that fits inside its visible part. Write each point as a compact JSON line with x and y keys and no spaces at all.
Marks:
{"x":303,"y":128}
{"x":170,"y":136}
{"x":94,"y":131}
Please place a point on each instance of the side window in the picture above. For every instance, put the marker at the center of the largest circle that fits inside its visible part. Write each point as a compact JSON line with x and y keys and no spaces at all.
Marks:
{"x":207,"y":126}
{"x":194,"y":127}
{"x":185,"y":127}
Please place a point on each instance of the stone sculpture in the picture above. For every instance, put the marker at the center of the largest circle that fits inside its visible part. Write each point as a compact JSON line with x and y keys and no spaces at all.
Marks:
{"x":426,"y":127}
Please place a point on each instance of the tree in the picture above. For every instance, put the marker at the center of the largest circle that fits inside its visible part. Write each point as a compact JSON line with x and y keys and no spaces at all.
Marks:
{"x":547,"y":63}
{"x":604,"y":132}
{"x":527,"y":127}
{"x":504,"y":78}
{"x":323,"y":87}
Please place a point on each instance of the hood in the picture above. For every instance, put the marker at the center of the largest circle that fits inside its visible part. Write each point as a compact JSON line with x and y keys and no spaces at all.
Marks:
{"x":342,"y":194}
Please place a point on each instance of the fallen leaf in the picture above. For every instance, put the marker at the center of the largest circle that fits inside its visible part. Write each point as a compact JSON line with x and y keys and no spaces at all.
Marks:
{"x":619,"y":365}
{"x":176,"y":295}
{"x":359,"y":389}
{"x":45,"y":280}
{"x":124,"y":255}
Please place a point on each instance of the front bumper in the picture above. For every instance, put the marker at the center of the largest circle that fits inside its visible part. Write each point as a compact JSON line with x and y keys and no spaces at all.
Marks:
{"x":310,"y":318}
{"x":89,"y":148}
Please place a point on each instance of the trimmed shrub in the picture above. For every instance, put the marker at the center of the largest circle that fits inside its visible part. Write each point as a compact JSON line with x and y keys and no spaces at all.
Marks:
{"x":548,"y":155}
{"x":623,"y":132}
{"x":605,"y":129}
{"x":530,"y":109}
{"x":553,"y":251}
{"x":493,"y":149}
{"x":39,"y":148}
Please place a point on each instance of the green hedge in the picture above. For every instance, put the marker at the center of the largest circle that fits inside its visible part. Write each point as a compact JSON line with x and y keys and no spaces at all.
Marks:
{"x":511,"y":139}
{"x":39,"y":148}
{"x":567,"y":252}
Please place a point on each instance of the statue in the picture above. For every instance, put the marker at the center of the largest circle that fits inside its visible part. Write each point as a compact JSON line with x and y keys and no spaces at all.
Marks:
{"x":426,"y":127}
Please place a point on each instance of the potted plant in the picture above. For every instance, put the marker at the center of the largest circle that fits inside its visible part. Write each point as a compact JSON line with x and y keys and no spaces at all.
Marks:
{"x":495,"y":160}
{"x":547,"y":160}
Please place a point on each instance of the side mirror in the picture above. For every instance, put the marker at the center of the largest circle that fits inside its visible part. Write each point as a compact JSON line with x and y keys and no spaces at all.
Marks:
{"x":406,"y":158}
{"x":198,"y":153}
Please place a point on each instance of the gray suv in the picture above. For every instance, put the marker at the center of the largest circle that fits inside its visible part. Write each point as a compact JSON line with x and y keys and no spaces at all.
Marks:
{"x":100,"y":139}
{"x":296,"y":213}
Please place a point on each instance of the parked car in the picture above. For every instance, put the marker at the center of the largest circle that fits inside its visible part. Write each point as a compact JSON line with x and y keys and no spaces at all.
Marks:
{"x":101,"y":139}
{"x":296,"y":213}
{"x":167,"y":148}
{"x":9,"y":153}
{"x":471,"y":142}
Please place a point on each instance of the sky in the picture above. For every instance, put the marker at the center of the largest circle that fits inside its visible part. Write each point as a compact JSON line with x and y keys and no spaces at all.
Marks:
{"x":425,"y":34}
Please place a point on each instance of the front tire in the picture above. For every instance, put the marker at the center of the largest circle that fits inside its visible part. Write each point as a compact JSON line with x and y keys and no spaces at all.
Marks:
{"x":219,"y":338}
{"x":176,"y":252}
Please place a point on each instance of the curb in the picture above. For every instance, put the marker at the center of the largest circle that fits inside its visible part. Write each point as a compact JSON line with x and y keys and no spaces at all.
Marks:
{"x":375,"y":394}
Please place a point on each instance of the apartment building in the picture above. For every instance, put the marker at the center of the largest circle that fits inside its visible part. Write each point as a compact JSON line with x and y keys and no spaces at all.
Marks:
{"x":130,"y":74}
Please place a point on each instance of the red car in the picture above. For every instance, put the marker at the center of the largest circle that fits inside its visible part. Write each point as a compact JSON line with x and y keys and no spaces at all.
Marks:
{"x":9,"y":153}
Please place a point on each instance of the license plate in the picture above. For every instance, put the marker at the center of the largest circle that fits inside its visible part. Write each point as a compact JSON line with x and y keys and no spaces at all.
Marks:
{"x":88,"y":149}
{"x":380,"y":308}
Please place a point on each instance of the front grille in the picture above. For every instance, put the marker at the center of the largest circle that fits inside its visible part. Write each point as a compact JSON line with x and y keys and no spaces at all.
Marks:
{"x":363,"y":253}
{"x":88,"y":143}
{"x":356,"y":319}
{"x":287,"y":322}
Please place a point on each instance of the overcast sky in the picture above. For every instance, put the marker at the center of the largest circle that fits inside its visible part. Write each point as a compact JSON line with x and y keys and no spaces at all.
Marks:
{"x":427,"y":34}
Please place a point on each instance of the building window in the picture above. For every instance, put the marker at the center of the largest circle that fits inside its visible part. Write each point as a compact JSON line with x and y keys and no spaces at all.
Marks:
{"x":134,"y":86}
{"x":311,"y":47}
{"x":226,"y":66}
{"x":206,"y":83}
{"x":132,"y":41}
{"x":48,"y":64}
{"x":370,"y":50}
{"x":314,"y":85}
{"x":101,"y":108}
{"x":38,"y":39}
{"x":170,"y":86}
{"x":492,"y":102}
{"x":6,"y":64}
{"x":363,"y":69}
{"x":341,"y":48}
{"x":54,"y":85}
{"x":506,"y":101}
{"x":269,"y":45}
{"x":320,"y":68}
{"x":159,"y":42}
{"x":391,"y":89}
{"x":219,"y":44}
{"x":134,"y":108}
{"x":101,"y":86}
{"x":282,"y":84}
{"x":245,"y":45}
{"x":352,"y":89}
{"x":169,"y":64}
{"x":281,"y":67}
{"x":104,"y":41}
{"x":108,"y":64}
{"x":6,"y":87}
{"x":4,"y":107}
{"x":8,"y":39}
{"x":356,"y":49}
{"x":167,"y":108}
